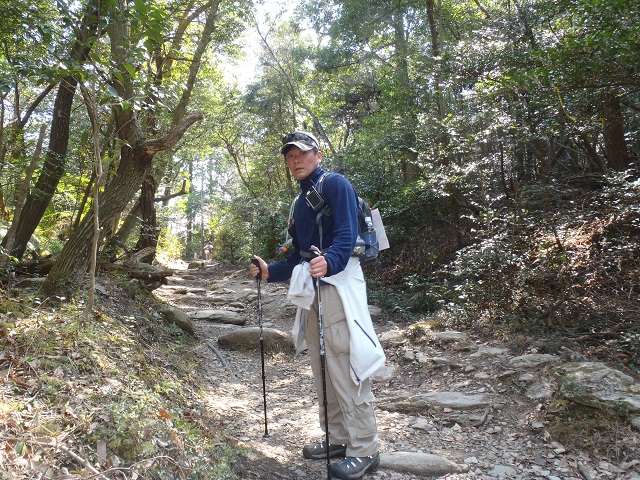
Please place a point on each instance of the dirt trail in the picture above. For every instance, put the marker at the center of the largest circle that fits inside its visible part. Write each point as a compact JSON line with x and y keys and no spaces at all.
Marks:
{"x":501,"y":444}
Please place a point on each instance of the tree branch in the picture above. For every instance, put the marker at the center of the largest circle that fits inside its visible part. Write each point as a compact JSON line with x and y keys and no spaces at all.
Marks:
{"x":170,"y":139}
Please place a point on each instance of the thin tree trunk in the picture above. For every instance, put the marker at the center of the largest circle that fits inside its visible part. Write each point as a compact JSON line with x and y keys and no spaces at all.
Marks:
{"x":24,"y":191}
{"x":615,"y":144}
{"x":92,"y":110}
{"x":85,"y":199}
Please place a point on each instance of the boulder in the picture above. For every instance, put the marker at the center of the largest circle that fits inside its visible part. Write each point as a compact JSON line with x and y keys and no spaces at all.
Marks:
{"x":275,"y":341}
{"x":179,"y":318}
{"x":426,"y":401}
{"x":533,"y":360}
{"x":222,"y":316}
{"x":596,"y":385}
{"x":419,"y":463}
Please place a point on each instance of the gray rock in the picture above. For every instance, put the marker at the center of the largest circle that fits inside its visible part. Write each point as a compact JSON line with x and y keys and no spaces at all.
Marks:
{"x":409,"y":355}
{"x":419,"y":463}
{"x":384,"y":373}
{"x":375,"y":311}
{"x":596,"y":385}
{"x":466,"y":419}
{"x":422,"y":424}
{"x":533,"y":360}
{"x":527,"y":377}
{"x":635,"y":423}
{"x":392,"y":338}
{"x":442,"y":361}
{"x":540,"y":391}
{"x":502,"y":471}
{"x":489,"y":352}
{"x":223,"y":316}
{"x":275,"y":341}
{"x":425,"y":401}
{"x":449,"y":337}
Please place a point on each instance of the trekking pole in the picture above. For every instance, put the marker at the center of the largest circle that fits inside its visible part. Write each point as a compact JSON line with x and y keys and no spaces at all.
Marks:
{"x":264,"y":385}
{"x":323,"y":364}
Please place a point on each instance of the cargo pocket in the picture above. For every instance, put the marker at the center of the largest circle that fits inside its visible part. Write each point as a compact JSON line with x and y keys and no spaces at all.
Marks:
{"x":364,"y":419}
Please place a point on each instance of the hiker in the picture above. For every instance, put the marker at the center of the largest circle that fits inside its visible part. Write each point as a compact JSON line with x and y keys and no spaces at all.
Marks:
{"x":208,"y":248}
{"x":352,"y":350}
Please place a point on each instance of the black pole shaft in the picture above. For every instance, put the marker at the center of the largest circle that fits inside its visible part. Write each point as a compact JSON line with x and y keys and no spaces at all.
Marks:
{"x":264,"y":383}
{"x":324,"y":377}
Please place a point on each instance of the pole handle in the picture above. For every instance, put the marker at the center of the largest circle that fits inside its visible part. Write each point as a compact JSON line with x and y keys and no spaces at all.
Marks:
{"x":257,"y":264}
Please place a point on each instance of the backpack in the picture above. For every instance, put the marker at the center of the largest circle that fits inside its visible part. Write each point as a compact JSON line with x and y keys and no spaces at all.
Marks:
{"x":366,"y":248}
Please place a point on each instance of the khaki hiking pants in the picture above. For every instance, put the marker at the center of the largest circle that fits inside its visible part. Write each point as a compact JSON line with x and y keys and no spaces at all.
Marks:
{"x":352,"y":420}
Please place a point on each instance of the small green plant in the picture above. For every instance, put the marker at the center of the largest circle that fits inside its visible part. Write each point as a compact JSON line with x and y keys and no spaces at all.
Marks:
{"x":583,"y":428}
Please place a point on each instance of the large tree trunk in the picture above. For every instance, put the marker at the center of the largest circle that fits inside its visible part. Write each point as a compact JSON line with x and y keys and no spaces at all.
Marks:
{"x":55,"y":161}
{"x":149,"y":231}
{"x":68,"y":273}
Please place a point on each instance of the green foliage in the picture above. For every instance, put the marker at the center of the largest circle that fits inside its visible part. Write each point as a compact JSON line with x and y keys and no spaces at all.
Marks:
{"x":473,"y":127}
{"x":169,"y":245}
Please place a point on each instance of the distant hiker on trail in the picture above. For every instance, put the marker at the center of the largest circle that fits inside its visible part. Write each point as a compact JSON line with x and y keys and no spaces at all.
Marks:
{"x":208,"y":248}
{"x":334,"y":320}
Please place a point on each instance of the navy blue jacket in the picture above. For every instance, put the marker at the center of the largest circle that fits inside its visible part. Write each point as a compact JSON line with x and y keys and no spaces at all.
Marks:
{"x":339,"y":230}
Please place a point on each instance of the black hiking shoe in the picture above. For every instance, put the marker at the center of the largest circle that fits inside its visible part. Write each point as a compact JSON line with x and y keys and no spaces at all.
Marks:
{"x":354,"y":467}
{"x":319,"y":451}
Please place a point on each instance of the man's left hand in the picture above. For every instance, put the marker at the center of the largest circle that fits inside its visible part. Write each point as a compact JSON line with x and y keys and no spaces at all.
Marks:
{"x":318,"y":265}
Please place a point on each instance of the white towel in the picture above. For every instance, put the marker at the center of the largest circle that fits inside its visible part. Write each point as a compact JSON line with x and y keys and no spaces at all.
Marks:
{"x":301,"y":291}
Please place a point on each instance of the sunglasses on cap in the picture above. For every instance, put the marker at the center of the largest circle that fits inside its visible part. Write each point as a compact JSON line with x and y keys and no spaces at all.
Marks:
{"x":303,"y":137}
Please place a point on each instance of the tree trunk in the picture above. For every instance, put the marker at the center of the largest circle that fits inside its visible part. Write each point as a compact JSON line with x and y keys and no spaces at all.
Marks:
{"x":116,"y":242}
{"x":55,"y":161}
{"x":68,"y":273}
{"x":52,"y":170}
{"x":148,"y":230}
{"x":614,"y":141}
{"x":23,"y":191}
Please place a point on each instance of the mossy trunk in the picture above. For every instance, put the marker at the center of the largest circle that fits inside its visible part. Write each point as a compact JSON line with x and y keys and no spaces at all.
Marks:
{"x":68,"y":274}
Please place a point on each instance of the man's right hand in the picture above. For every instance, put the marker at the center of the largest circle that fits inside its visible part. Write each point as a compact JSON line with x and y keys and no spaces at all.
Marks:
{"x":263,"y":268}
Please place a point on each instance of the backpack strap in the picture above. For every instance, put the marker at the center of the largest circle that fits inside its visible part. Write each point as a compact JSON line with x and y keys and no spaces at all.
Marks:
{"x":326,"y":210}
{"x":292,"y":209}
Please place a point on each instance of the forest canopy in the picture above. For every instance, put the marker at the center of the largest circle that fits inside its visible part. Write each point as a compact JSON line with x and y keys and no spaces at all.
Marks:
{"x":499,"y":139}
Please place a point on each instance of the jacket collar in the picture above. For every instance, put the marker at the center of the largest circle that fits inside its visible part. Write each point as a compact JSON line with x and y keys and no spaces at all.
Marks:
{"x":311,"y":179}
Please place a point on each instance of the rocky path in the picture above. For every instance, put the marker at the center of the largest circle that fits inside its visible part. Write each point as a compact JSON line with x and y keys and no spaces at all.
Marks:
{"x":449,"y":407}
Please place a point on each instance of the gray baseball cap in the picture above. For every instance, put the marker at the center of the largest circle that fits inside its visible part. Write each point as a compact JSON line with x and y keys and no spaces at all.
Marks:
{"x":305,"y":141}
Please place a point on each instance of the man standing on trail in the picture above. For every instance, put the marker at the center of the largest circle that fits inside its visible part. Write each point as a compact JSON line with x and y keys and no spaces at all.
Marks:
{"x":352,"y":349}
